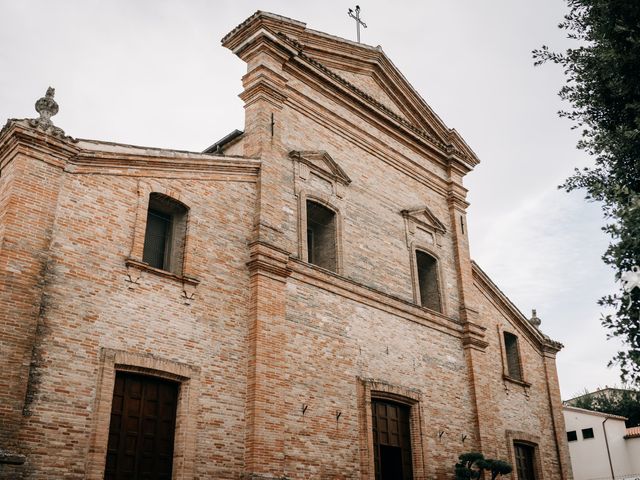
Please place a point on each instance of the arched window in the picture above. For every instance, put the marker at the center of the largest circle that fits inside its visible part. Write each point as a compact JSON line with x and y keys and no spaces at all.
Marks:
{"x":165,"y":233}
{"x":321,"y":236}
{"x":428,"y":283}
{"x":512,"y":354}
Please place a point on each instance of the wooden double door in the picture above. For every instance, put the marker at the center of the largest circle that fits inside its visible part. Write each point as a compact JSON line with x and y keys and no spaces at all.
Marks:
{"x":525,"y":455}
{"x":391,"y":440}
{"x":141,"y":432}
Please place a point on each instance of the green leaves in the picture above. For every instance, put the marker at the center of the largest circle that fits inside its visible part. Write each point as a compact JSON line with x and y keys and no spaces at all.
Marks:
{"x":603,"y":93}
{"x":622,"y":402}
{"x":472,"y":465}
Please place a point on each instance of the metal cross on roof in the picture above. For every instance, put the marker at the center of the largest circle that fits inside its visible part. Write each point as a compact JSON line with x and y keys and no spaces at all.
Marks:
{"x":356,"y":17}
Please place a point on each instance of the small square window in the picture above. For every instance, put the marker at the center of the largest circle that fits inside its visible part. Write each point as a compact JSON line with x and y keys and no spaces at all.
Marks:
{"x":587,"y":433}
{"x":572,"y":436}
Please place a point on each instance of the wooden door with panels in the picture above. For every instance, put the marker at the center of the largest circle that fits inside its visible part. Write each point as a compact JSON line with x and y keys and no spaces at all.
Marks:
{"x":525,"y":455}
{"x":142,"y":427}
{"x":391,"y":440}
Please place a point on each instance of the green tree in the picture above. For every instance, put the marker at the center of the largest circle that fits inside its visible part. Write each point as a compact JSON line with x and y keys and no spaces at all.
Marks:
{"x":603,"y":89}
{"x":472,"y":465}
{"x":625,"y":403}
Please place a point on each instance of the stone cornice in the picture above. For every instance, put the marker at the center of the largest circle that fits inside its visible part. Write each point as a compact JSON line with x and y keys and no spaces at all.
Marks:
{"x":17,"y":136}
{"x":347,"y":288}
{"x":328,"y":51}
{"x":267,"y":259}
{"x":262,"y":83}
{"x":364,"y":100}
{"x":424,"y":217}
{"x":292,"y":34}
{"x":544,"y":344}
{"x":323,"y":163}
{"x":370,"y":143}
{"x":89,"y":157}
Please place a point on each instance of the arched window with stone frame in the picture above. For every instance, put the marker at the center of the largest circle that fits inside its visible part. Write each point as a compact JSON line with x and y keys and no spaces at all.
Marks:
{"x":165,"y":233}
{"x":427,"y":280}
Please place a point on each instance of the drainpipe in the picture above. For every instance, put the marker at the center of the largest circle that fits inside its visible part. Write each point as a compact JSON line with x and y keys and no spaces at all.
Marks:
{"x":606,"y":441}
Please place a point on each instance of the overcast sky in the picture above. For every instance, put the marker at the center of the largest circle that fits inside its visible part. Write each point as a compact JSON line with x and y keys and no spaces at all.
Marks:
{"x":154,"y":73}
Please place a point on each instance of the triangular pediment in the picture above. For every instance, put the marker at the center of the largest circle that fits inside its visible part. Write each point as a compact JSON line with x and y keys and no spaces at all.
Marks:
{"x":425,"y":218}
{"x":322,"y":163}
{"x":362,"y":71}
{"x":370,"y":72}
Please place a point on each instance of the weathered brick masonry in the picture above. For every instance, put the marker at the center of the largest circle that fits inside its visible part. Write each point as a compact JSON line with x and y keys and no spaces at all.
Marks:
{"x":278,"y":360}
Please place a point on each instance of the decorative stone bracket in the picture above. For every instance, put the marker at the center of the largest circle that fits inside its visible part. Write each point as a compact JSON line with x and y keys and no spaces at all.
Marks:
{"x":136,"y":270}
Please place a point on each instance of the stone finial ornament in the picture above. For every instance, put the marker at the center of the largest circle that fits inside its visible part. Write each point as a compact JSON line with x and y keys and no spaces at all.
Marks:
{"x":47,"y":108}
{"x":534,"y":320}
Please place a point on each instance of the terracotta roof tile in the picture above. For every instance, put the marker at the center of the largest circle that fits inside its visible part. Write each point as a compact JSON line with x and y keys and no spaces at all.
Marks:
{"x":633,"y":432}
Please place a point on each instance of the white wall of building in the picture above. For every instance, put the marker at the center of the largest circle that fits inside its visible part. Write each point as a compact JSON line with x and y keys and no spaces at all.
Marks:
{"x":633,"y":448}
{"x":590,"y":458}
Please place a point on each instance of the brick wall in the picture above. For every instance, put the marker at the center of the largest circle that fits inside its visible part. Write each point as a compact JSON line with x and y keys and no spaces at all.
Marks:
{"x":278,"y":360}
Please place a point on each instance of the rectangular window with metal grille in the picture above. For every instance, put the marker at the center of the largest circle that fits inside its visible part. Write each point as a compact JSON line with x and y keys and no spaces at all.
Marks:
{"x":165,"y":233}
{"x":157,"y":239}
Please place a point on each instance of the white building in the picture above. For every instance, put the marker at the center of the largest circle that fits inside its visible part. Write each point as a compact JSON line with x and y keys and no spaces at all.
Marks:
{"x":600,"y":445}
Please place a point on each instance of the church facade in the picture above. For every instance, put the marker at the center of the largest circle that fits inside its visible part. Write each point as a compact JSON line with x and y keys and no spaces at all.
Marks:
{"x":296,"y":302}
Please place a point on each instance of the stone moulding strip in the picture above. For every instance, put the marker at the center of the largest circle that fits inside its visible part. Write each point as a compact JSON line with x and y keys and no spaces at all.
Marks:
{"x":237,"y":43}
{"x":8,"y":458}
{"x":538,"y":340}
{"x":20,"y":138}
{"x":367,"y":100}
{"x":90,"y":161}
{"x":130,"y":262}
{"x":365,"y":295}
{"x":407,"y":167}
{"x":398,"y":130}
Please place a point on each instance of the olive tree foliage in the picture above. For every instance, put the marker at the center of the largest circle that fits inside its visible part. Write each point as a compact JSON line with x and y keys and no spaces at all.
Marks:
{"x":603,"y":90}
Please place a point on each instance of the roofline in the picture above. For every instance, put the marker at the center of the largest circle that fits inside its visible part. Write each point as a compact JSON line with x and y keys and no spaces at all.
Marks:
{"x":217,"y":147}
{"x":615,"y":389}
{"x":292,"y":36}
{"x":540,"y":337}
{"x":91,"y":156}
{"x":632,"y":435}
{"x":592,"y":412}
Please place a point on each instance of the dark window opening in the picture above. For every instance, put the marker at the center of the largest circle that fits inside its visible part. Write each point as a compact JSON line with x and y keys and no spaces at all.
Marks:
{"x":391,"y":441}
{"x":321,"y":236}
{"x":165,"y":233}
{"x":572,"y":436}
{"x":587,"y":433}
{"x":142,"y":427}
{"x":513,"y":356}
{"x":525,"y":455}
{"x":428,"y":281}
